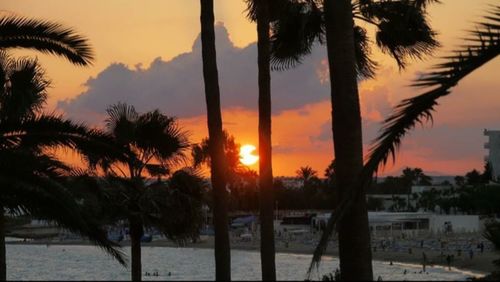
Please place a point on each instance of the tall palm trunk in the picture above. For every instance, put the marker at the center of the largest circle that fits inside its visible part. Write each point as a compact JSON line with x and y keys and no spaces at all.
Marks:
{"x":216,"y":145}
{"x":136,"y":232}
{"x":354,"y":237}
{"x":3,"y":260}
{"x":267,"y":251}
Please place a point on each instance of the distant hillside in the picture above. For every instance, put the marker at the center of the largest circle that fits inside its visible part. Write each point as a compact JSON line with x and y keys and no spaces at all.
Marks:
{"x":436,"y":179}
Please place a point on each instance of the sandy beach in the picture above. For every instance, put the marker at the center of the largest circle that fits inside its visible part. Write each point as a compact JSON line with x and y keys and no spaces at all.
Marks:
{"x":481,"y":262}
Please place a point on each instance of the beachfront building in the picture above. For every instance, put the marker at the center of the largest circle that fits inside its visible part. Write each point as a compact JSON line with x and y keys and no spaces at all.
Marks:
{"x":493,"y":145}
{"x":290,"y":182}
{"x":390,"y":202}
{"x":413,"y":224}
{"x":427,"y":188}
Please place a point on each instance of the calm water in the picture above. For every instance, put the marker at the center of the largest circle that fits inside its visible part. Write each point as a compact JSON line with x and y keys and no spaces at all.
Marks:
{"x":39,"y":262}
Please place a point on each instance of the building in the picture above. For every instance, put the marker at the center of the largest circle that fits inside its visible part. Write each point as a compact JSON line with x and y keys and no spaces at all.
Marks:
{"x":427,"y":188}
{"x":414,"y":223}
{"x":290,"y":182}
{"x":493,"y":145}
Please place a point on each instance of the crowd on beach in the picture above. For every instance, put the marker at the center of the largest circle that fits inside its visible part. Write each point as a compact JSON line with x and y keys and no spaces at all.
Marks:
{"x":445,"y":249}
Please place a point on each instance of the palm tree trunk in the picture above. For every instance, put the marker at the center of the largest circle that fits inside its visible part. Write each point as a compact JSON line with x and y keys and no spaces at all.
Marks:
{"x":136,"y":232}
{"x":267,"y":249}
{"x":354,"y":237}
{"x":3,"y":259}
{"x":216,"y":145}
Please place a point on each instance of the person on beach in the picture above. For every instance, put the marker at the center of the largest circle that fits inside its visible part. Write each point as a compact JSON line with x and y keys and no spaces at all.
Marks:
{"x":471,"y":253}
{"x":448,"y":261}
{"x":424,"y":261}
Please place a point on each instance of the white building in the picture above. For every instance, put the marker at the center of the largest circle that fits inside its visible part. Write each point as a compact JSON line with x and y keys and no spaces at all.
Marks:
{"x":290,"y":182}
{"x":493,"y":145}
{"x":414,"y":223}
{"x":421,"y":188}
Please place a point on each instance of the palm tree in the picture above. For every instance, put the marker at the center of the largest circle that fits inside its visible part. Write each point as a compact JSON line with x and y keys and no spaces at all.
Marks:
{"x":260,"y":11}
{"x":155,"y":143}
{"x":32,"y":181}
{"x":402,"y":32}
{"x":46,"y":37}
{"x":354,"y":236}
{"x":240,"y":179}
{"x":492,"y":234}
{"x":305,"y":173}
{"x":482,"y":46}
{"x":201,"y":156}
{"x":216,"y":146}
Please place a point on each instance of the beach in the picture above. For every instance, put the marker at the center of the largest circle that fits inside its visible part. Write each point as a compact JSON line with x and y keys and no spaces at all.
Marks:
{"x":480,"y":262}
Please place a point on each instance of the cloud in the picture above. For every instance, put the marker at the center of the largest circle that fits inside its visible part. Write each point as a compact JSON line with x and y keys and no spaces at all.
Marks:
{"x":176,"y":86}
{"x":301,"y":118}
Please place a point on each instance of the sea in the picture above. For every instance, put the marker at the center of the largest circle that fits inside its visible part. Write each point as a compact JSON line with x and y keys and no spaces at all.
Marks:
{"x":60,"y":262}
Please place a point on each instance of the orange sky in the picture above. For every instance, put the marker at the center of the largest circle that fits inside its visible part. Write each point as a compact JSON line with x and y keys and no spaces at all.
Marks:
{"x":136,"y":32}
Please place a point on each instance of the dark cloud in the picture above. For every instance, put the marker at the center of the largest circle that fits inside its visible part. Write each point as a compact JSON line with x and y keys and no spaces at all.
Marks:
{"x":176,"y":86}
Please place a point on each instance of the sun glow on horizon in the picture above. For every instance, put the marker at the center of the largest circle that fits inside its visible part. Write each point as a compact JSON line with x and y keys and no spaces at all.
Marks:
{"x":246,"y":156}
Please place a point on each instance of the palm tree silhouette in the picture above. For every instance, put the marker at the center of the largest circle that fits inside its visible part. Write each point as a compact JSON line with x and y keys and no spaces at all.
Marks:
{"x":216,"y":146}
{"x":260,"y":11}
{"x":46,"y":37}
{"x":305,"y":173}
{"x":402,"y":32}
{"x":482,"y":46}
{"x":155,"y":143}
{"x":33,"y":181}
{"x":201,"y":155}
{"x":238,"y":177}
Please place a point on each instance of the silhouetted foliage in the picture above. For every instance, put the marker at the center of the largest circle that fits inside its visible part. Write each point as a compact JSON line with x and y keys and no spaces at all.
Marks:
{"x":154,"y":143}
{"x":46,"y":37}
{"x":34,"y":181}
{"x":402,"y":31}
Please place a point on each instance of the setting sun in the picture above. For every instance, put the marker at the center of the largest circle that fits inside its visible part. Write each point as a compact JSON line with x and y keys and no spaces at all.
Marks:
{"x":246,"y":156}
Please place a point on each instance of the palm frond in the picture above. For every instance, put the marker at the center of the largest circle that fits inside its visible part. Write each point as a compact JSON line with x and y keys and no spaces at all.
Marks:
{"x":160,"y":136}
{"x":402,"y":30}
{"x":46,"y":37}
{"x":492,"y":234}
{"x":335,"y":217}
{"x":17,"y":163}
{"x":477,"y":51}
{"x":365,"y":66}
{"x":121,"y":122}
{"x":199,"y":153}
{"x":371,"y":8}
{"x":45,"y":199}
{"x":25,"y":90}
{"x":53,"y":131}
{"x":484,"y":47}
{"x":276,"y":7}
{"x":34,"y":185}
{"x":294,"y":33}
{"x":425,"y":3}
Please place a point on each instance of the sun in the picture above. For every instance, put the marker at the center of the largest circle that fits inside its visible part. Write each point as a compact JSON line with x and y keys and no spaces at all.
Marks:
{"x":246,"y":156}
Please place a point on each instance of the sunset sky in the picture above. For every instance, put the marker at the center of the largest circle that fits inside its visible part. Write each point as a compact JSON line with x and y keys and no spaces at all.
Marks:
{"x":148,"y":55}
